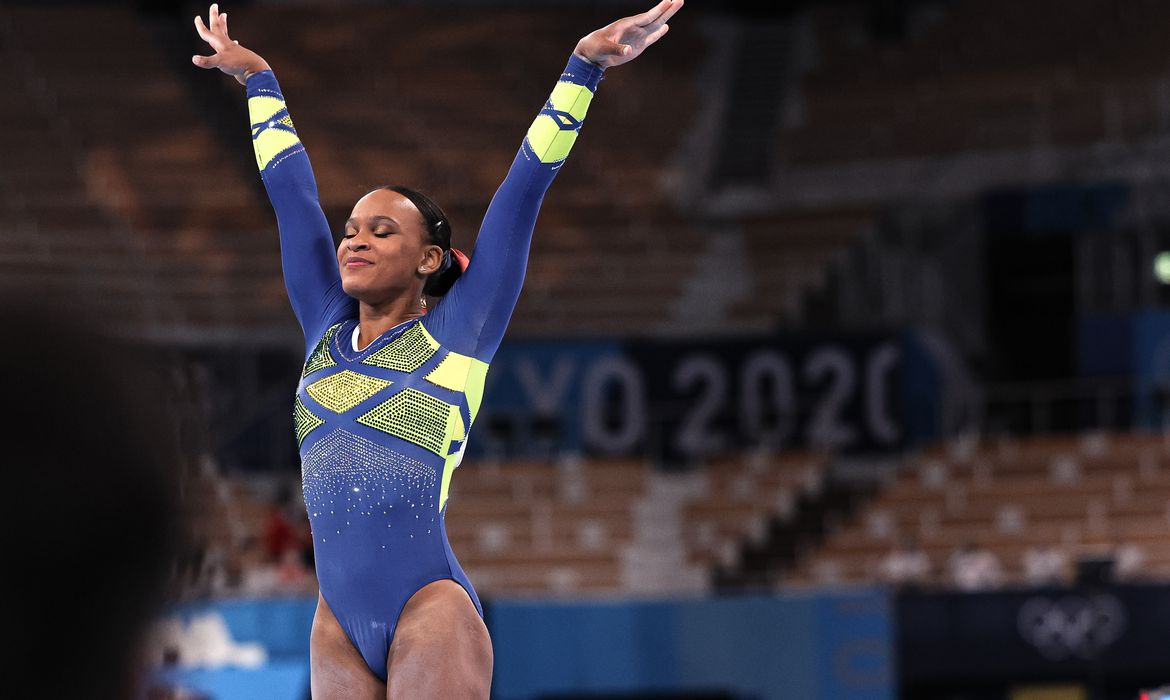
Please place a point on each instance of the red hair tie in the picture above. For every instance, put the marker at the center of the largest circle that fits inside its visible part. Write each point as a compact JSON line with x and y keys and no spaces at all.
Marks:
{"x":460,"y":258}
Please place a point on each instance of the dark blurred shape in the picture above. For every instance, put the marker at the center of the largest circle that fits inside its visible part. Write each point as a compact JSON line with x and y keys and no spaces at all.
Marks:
{"x":1095,"y":571}
{"x":547,"y":433}
{"x":501,"y":432}
{"x":764,"y":50}
{"x":91,"y":524}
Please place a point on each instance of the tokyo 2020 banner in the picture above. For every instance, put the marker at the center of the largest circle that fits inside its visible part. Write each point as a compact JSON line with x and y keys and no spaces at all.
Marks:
{"x":682,"y":399}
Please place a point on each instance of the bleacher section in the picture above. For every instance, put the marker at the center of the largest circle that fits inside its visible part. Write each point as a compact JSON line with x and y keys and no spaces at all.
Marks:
{"x":112,"y":152}
{"x":111,"y":168}
{"x":117,"y":152}
{"x":119,"y":178}
{"x":974,"y":95}
{"x":1085,"y":495}
{"x":57,"y":238}
{"x":568,"y":527}
{"x":979,"y":76}
{"x":535,"y":527}
{"x":789,"y":256}
{"x":738,"y":498}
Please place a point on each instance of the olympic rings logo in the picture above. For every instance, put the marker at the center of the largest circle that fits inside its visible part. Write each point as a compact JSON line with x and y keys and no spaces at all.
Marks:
{"x":1071,"y":626}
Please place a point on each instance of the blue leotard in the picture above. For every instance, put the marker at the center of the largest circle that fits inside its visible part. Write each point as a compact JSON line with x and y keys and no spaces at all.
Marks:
{"x":382,"y":429}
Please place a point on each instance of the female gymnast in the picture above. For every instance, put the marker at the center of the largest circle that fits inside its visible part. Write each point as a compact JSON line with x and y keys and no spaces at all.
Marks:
{"x":389,"y":388}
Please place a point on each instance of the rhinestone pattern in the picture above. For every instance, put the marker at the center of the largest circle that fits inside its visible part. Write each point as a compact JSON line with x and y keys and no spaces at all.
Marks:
{"x":415,"y":417}
{"x":406,"y":353}
{"x":346,"y":476}
{"x":304,"y":421}
{"x":321,"y":357}
{"x":344,"y":390}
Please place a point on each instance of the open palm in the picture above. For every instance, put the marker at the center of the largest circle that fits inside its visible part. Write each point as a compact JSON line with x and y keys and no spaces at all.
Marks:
{"x":626,"y":39}
{"x":229,"y":56}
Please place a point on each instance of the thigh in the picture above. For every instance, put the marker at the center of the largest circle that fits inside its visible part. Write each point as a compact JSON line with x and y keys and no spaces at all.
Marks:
{"x":336,"y":670}
{"x":440,"y":649}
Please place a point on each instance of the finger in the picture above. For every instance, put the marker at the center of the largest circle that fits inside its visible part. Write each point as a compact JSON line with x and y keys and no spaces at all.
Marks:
{"x":217,"y":24}
{"x":657,"y":34}
{"x":204,"y":33}
{"x":675,"y":6}
{"x":652,"y":15}
{"x":220,"y":23}
{"x":223,"y":24}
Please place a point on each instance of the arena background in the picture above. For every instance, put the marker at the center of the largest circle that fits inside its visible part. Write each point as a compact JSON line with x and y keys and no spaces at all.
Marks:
{"x":841,"y":369}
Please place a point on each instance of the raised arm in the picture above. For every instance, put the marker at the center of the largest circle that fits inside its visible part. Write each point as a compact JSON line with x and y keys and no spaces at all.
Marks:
{"x":473,"y":316}
{"x":308,"y":256}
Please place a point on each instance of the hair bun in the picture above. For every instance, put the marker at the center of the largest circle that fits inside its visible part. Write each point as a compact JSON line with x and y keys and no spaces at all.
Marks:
{"x":439,"y":281}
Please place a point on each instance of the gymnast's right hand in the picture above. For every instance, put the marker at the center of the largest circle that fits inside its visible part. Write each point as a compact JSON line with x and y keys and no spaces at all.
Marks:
{"x":230,"y":57}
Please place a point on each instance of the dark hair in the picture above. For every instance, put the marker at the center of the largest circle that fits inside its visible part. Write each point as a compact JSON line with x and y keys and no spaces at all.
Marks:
{"x":438,"y":227}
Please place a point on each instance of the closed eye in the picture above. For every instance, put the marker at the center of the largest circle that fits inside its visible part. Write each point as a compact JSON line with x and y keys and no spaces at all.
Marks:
{"x":378,"y":234}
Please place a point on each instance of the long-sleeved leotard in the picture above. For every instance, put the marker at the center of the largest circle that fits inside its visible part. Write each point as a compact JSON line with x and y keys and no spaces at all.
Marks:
{"x":382,"y":429}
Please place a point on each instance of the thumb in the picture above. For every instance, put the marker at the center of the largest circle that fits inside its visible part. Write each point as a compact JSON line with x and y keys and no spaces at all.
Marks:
{"x":204,"y":61}
{"x":614,"y":48}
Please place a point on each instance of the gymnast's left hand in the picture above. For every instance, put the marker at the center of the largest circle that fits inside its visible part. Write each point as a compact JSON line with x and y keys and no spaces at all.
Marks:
{"x":626,"y":39}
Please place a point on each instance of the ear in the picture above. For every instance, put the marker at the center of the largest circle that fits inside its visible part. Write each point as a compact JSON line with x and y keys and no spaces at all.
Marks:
{"x":431,"y":260}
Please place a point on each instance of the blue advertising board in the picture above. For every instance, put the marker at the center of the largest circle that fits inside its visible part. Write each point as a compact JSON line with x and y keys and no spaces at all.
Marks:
{"x":830,"y":645}
{"x":819,"y":646}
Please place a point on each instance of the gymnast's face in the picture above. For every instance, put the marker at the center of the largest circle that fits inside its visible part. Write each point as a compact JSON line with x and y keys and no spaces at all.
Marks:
{"x":385,"y":252}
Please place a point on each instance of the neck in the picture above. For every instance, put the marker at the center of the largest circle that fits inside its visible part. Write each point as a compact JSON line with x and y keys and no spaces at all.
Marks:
{"x":376,"y":319}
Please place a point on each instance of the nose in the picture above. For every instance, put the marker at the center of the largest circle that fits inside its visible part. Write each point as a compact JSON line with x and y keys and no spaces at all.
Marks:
{"x":357,"y":243}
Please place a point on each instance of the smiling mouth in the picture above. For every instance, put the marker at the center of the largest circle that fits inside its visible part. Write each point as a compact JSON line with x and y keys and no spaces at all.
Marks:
{"x":352,"y":263}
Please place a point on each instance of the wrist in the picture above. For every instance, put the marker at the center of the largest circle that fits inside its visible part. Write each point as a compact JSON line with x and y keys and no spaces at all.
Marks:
{"x":579,"y":54}
{"x":582,"y":71}
{"x":254,"y":69}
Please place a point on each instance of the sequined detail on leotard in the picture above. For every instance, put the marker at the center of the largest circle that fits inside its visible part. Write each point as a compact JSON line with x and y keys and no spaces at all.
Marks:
{"x":321,"y":357}
{"x":304,"y":421}
{"x":407,"y":352}
{"x":416,"y":417}
{"x":345,"y":390}
{"x":346,"y":473}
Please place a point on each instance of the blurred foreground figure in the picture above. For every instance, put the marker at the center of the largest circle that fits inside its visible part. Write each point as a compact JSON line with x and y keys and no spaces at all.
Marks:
{"x":91,"y":522}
